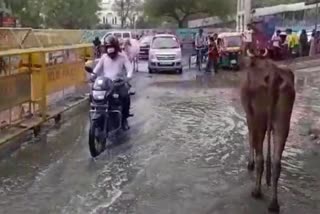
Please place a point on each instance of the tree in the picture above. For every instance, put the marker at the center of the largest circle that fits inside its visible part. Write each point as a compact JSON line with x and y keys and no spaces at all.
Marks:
{"x":28,"y":12}
{"x":71,"y":14}
{"x":181,"y":10}
{"x":135,"y":12}
{"x":145,"y":22}
{"x":103,"y":26}
{"x":127,"y":10}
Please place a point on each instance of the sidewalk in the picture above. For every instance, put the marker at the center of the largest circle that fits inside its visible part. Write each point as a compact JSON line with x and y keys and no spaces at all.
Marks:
{"x":302,"y":62}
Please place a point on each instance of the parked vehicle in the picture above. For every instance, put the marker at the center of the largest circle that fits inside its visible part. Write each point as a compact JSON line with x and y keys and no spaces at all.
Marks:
{"x":231,"y":51}
{"x":165,"y":54}
{"x":121,"y":35}
{"x":145,"y":47}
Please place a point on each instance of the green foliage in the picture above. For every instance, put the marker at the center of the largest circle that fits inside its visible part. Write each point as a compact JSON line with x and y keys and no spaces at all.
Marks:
{"x":127,"y":10}
{"x":69,"y":14}
{"x":28,"y":12}
{"x":145,"y":22}
{"x":181,"y":10}
{"x":103,"y":26}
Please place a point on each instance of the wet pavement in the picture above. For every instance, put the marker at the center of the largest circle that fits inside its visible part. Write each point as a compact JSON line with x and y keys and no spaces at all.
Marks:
{"x":186,"y":153}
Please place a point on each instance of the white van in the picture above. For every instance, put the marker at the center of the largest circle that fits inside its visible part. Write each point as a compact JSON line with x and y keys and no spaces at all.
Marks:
{"x":121,"y":35}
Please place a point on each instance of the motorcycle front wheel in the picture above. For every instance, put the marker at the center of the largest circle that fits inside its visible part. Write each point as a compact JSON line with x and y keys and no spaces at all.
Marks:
{"x":97,"y":142}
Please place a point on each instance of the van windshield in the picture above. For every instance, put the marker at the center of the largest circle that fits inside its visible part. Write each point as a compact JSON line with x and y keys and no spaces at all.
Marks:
{"x":233,"y":41}
{"x":165,"y":43}
{"x":118,"y":35}
{"x":126,"y":35}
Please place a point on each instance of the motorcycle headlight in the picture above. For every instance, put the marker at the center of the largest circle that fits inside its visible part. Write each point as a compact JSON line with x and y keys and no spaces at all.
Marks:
{"x":98,"y":95}
{"x":116,"y":96}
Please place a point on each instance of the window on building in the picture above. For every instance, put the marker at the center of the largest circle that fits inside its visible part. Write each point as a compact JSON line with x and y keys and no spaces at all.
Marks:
{"x":115,"y":20}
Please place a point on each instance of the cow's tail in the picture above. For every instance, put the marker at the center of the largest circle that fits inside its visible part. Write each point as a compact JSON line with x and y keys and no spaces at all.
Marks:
{"x":272,"y":101}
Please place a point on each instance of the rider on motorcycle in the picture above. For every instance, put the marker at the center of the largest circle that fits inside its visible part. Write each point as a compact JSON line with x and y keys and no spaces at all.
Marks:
{"x":111,"y":65}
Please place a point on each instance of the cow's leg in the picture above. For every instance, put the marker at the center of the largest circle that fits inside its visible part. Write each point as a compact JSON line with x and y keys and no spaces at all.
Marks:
{"x":258,"y":137}
{"x":281,"y":126}
{"x":251,"y":143}
{"x":245,"y":100}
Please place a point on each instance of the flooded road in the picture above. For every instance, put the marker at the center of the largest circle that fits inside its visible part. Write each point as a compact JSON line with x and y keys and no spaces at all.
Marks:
{"x":186,"y":153}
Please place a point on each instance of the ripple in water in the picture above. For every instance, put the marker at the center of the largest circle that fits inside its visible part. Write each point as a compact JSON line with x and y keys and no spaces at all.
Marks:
{"x":209,"y":132}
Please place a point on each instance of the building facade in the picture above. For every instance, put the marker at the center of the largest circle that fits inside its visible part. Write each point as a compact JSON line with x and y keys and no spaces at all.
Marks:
{"x":243,"y":14}
{"x":107,"y":15}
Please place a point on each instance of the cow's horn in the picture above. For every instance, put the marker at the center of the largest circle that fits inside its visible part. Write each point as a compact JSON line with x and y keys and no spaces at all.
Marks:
{"x":249,"y":53}
{"x":265,"y":52}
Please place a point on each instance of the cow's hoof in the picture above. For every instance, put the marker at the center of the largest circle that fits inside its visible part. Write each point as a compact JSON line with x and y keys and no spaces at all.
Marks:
{"x":256,"y":194}
{"x":250,"y":166}
{"x":274,"y":207}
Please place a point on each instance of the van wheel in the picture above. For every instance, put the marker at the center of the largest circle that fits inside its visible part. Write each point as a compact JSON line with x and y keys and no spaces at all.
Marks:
{"x":180,"y":71}
{"x":150,"y":71}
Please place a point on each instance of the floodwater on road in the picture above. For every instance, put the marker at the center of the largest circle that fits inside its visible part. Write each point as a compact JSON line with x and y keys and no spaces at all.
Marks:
{"x":186,"y":153}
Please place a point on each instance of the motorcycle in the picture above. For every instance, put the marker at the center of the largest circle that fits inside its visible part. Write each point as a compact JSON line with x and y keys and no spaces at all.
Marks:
{"x":105,"y":112}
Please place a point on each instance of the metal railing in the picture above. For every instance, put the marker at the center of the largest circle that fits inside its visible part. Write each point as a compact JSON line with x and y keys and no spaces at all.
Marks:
{"x":31,"y":78}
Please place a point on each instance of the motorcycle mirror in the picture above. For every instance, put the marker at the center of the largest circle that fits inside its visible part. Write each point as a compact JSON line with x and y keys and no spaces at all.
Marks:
{"x":132,"y":92}
{"x":88,"y":69}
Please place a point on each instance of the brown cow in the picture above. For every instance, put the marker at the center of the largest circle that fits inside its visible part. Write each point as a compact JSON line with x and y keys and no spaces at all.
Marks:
{"x":267,"y":95}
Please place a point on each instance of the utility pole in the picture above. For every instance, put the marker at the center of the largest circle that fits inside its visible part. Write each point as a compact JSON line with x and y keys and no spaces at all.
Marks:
{"x":248,"y":10}
{"x":317,"y":16}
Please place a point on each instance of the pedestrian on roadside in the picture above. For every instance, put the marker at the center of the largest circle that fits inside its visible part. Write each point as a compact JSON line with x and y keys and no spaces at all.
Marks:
{"x":97,"y":47}
{"x":292,"y":42}
{"x":312,"y":51}
{"x":215,"y":37}
{"x":276,"y":48}
{"x":213,"y":55}
{"x":317,"y":42}
{"x":303,"y":40}
{"x":247,"y":37}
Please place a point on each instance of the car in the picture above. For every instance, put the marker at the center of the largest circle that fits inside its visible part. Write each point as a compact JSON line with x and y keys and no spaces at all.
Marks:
{"x":145,"y":47}
{"x":165,"y":54}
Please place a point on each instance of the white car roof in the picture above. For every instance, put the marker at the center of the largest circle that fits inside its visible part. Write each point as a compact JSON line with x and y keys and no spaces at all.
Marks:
{"x":164,"y":35}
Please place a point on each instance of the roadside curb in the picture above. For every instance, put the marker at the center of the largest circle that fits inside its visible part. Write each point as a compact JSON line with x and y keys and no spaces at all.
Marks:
{"x":34,"y":125}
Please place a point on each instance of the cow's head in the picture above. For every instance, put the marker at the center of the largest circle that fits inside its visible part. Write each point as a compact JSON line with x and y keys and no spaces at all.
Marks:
{"x":258,"y":47}
{"x":257,"y":56}
{"x":257,"y":53}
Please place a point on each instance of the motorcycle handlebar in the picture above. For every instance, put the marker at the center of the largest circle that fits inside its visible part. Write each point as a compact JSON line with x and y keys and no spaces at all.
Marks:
{"x":118,"y":81}
{"x":121,"y":81}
